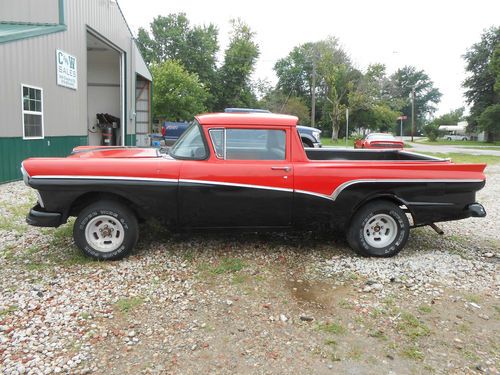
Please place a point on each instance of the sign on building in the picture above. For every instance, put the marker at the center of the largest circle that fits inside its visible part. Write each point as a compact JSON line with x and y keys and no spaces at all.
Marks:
{"x":66,"y":70}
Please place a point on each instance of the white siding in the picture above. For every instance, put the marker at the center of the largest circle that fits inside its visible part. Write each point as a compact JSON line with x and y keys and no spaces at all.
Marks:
{"x":32,"y":61}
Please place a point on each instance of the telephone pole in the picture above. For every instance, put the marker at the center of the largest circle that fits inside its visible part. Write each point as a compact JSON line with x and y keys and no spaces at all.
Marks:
{"x":412,"y":112}
{"x":313,"y":94}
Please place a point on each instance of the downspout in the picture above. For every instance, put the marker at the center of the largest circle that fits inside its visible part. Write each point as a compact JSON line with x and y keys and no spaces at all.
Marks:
{"x":61,"y":12}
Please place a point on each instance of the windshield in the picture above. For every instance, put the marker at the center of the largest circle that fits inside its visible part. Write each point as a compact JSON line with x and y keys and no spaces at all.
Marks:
{"x":190,"y":145}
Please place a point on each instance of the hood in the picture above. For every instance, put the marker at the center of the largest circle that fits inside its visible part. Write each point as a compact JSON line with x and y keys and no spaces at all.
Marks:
{"x":114,"y":152}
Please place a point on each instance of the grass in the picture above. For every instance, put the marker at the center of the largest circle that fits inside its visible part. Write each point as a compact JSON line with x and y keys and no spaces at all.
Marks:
{"x":226,"y":265}
{"x":411,"y":327}
{"x":473,"y":298}
{"x":8,"y":310}
{"x":441,"y":142}
{"x":426,"y":309}
{"x":345,"y":304}
{"x":325,"y":141}
{"x":125,"y":305}
{"x":335,"y":328}
{"x":465,"y":158}
{"x":9,"y":225}
{"x":378,"y":334}
{"x":413,"y":352}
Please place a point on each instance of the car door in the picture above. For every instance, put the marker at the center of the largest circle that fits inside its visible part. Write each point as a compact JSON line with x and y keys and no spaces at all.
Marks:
{"x":246,"y":182}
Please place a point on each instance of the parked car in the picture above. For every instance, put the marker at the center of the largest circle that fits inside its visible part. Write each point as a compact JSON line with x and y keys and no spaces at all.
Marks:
{"x":457,"y":137}
{"x":378,"y":140}
{"x":249,"y":171}
{"x":311,"y":137}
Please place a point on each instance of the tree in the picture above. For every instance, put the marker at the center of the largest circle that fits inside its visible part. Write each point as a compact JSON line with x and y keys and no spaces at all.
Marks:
{"x":233,"y":78}
{"x":336,"y":80}
{"x":177,"y":94}
{"x":370,"y":105}
{"x":173,"y":38}
{"x":432,"y":132}
{"x":295,"y":71}
{"x":426,"y":95}
{"x":482,"y":65}
{"x":489,"y":121}
{"x":278,"y":102}
{"x":451,"y":118}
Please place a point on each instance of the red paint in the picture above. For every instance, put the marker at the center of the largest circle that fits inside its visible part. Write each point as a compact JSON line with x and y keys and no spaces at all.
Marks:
{"x":320,"y":177}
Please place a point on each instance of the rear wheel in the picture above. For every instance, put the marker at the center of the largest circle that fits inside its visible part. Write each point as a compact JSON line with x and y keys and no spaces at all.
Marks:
{"x":106,"y":230}
{"x":379,"y":229}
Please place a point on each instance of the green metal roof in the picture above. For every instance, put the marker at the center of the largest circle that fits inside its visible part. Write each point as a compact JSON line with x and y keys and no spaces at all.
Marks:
{"x":10,"y":31}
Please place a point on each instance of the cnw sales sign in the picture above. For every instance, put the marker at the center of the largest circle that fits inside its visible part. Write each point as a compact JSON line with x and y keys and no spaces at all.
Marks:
{"x":66,"y":70}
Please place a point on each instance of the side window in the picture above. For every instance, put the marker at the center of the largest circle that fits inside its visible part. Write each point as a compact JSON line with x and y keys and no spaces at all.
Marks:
{"x":191,"y":145}
{"x":249,"y":144}
{"x":32,"y":112}
{"x":217,"y":136}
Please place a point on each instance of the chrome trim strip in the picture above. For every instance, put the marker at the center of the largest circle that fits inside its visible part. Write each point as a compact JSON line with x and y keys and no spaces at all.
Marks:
{"x":235,"y":184}
{"x":346,"y":184}
{"x":77,"y":177}
{"x":319,"y":195}
{"x":26,"y":176}
{"x":331,"y":197}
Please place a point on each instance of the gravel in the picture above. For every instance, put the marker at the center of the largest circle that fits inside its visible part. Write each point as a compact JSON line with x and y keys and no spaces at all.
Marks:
{"x":59,"y":312}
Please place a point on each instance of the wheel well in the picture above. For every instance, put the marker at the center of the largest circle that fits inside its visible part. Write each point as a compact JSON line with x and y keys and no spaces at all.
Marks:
{"x":383,"y":197}
{"x":86,"y":199}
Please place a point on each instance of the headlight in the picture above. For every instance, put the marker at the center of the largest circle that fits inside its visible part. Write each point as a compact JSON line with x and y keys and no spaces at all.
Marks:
{"x":317,"y":134}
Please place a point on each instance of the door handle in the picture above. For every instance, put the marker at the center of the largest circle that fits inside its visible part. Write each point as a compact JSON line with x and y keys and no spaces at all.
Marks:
{"x":286,"y":169}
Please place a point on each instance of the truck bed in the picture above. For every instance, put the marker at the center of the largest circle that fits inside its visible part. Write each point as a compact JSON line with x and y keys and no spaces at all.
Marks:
{"x":377,"y":155}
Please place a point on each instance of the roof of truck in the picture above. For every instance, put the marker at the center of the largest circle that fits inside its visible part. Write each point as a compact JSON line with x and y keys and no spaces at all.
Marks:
{"x":246,"y":119}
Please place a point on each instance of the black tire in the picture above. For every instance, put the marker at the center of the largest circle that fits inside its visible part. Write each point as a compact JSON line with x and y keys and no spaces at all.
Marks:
{"x":357,"y":238}
{"x":99,"y":215}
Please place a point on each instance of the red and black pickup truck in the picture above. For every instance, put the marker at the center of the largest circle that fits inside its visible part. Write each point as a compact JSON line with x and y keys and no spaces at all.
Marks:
{"x":249,"y":171}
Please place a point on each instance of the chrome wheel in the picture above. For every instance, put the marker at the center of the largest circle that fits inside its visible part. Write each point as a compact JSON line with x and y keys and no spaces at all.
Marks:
{"x":104,"y":233}
{"x":380,"y":230}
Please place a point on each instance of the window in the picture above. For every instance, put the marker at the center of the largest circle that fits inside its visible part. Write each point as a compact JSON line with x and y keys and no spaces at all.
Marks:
{"x":191,"y":144}
{"x":32,"y":98}
{"x":217,"y":137}
{"x":249,"y":144}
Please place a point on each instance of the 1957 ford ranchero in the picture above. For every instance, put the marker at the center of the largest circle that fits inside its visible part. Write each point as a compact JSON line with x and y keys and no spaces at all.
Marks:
{"x":249,"y":171}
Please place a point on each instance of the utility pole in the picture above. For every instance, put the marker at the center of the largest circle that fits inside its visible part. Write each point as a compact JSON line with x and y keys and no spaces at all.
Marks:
{"x":412,"y":112}
{"x":346,"y":126}
{"x":313,"y":94}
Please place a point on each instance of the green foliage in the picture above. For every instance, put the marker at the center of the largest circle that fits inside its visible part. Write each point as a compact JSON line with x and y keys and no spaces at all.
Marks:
{"x":228,"y":265}
{"x":451,"y":118}
{"x":483,"y":67}
{"x":178,"y":95}
{"x":126,"y":305}
{"x":489,"y":120}
{"x":335,"y":328}
{"x":426,"y":95}
{"x":432,"y":132}
{"x":276,"y":101}
{"x":233,"y":78}
{"x":173,"y":38}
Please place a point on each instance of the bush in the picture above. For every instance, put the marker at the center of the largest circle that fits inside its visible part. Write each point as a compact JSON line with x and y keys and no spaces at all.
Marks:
{"x":432,"y":132}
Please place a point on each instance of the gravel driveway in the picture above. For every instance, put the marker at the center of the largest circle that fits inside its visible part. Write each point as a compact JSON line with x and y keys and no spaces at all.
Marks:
{"x":249,"y":303}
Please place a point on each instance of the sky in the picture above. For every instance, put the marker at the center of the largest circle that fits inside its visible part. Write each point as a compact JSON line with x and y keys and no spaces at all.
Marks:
{"x":429,"y":34}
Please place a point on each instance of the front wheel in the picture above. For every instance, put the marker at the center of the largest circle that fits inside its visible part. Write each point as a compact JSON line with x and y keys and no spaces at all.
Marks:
{"x":106,"y":230}
{"x":378,"y":229}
